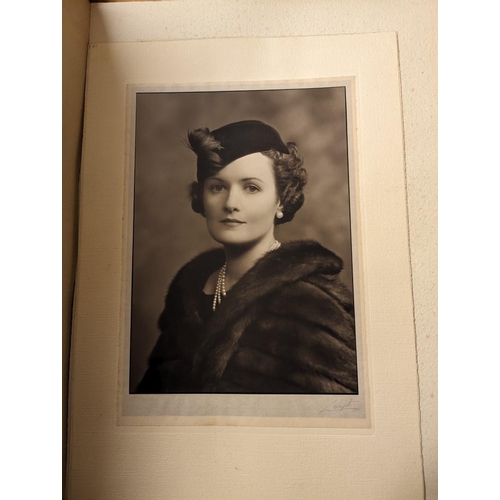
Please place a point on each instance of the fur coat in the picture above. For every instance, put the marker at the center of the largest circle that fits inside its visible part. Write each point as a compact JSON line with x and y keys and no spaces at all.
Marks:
{"x":285,"y":327}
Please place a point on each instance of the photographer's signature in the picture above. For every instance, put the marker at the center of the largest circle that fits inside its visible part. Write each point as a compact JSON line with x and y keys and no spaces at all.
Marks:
{"x":342,"y":405}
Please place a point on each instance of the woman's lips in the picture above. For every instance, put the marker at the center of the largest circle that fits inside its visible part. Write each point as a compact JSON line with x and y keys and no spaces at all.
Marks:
{"x":232,"y":222}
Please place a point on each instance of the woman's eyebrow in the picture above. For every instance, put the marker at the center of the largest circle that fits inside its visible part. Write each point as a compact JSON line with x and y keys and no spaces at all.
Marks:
{"x":251,"y":179}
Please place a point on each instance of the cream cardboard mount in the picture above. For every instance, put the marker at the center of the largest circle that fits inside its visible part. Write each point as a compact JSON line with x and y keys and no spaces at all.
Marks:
{"x":158,"y":120}
{"x":101,"y":407}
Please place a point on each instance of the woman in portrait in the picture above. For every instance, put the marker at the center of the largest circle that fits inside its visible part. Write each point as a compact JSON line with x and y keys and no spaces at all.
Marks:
{"x":257,"y":315}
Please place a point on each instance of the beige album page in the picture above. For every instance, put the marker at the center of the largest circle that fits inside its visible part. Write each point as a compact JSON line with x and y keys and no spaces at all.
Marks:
{"x":125,"y":445}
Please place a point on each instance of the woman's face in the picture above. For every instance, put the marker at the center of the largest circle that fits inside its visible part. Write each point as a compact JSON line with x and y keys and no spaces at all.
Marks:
{"x":241,"y":202}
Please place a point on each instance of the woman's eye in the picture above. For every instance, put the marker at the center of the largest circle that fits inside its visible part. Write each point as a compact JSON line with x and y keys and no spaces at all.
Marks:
{"x":252,"y":189}
{"x":217,"y":188}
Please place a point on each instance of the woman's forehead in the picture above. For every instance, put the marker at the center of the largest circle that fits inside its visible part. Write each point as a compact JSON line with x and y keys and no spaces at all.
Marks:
{"x":253,"y":166}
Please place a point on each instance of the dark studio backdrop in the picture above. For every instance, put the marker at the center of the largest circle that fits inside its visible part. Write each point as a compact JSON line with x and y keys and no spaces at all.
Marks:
{"x":167,"y":233}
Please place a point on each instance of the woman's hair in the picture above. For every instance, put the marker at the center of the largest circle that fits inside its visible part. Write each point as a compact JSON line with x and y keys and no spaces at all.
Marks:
{"x":289,"y":174}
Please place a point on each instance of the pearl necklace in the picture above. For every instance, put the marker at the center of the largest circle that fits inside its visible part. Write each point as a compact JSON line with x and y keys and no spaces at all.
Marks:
{"x":220,"y":289}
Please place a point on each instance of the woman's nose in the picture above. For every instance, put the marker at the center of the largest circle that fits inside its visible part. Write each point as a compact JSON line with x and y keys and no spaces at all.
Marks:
{"x":231,"y":203}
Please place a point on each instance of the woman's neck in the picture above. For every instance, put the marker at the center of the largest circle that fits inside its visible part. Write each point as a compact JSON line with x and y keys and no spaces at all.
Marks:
{"x":239,"y":259}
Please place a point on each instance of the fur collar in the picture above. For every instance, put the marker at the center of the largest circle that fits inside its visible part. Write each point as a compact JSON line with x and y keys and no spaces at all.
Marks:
{"x":292,"y":262}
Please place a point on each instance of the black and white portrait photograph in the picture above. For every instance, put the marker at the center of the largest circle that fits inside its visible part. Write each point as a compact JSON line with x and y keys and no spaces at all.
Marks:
{"x":242,"y":261}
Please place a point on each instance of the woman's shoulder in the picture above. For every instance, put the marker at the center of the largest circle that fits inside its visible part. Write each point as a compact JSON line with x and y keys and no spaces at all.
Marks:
{"x":319,"y":268}
{"x":296,"y":260}
{"x":309,"y":255}
{"x":295,"y":269}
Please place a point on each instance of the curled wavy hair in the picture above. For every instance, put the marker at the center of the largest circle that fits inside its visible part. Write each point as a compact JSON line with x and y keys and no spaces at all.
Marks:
{"x":289,"y":174}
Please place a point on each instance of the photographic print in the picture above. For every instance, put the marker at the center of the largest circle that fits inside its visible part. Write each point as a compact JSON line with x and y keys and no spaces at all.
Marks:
{"x":241,"y":251}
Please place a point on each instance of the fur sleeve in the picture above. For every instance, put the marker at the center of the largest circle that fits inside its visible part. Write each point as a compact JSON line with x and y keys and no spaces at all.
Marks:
{"x":171,"y":360}
{"x":163,"y":362}
{"x":300,"y":340}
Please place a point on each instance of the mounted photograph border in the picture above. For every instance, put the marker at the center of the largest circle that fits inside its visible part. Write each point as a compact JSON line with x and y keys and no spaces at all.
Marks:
{"x":306,"y":410}
{"x":380,"y":199}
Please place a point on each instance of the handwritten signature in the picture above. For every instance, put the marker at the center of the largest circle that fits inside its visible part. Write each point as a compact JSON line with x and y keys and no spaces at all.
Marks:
{"x":340,"y":406}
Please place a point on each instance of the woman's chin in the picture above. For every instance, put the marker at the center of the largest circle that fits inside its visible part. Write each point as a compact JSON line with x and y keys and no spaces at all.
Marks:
{"x":238,"y":237}
{"x":232,"y":241}
{"x":242,"y":244}
{"x":229,"y":238}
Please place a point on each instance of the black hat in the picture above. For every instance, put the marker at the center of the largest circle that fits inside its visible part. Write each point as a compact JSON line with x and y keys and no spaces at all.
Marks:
{"x":246,"y":137}
{"x":237,"y":140}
